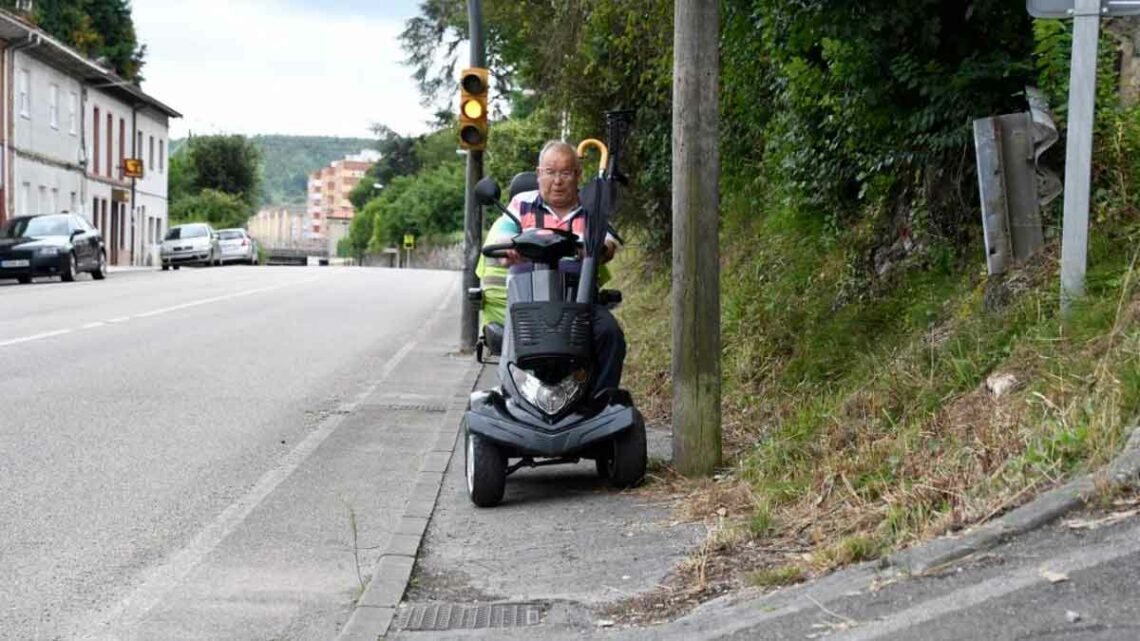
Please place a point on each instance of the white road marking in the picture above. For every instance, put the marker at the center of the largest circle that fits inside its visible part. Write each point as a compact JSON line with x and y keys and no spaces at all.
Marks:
{"x":34,"y":337}
{"x":156,"y":312}
{"x":116,"y":622}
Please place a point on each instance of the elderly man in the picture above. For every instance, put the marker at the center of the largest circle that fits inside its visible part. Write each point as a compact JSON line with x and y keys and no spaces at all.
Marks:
{"x":551,"y":207}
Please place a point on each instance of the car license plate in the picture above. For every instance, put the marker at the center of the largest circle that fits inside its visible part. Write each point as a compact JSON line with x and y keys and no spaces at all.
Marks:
{"x":11,"y":264}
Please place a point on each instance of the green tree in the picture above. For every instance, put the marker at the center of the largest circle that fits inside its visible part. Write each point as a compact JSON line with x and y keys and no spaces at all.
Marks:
{"x":429,"y":203}
{"x":99,"y":29}
{"x":218,"y":208}
{"x":229,"y":164}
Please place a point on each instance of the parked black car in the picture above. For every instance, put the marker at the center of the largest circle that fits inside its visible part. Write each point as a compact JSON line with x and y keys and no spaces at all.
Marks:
{"x":51,"y":245}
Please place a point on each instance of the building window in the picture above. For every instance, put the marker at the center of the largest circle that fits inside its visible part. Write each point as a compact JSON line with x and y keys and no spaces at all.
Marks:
{"x":54,"y":201}
{"x":138,"y":147}
{"x":161,"y":156}
{"x":122,"y":145}
{"x":24,"y":101}
{"x":150,"y":163}
{"x":53,"y":106}
{"x":41,"y":206}
{"x":74,"y":203}
{"x":25,"y":199}
{"x":72,"y":111}
{"x":110,"y":139}
{"x":95,"y":142}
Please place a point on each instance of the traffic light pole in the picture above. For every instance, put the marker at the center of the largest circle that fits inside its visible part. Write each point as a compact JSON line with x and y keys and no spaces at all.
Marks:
{"x":472,"y":212}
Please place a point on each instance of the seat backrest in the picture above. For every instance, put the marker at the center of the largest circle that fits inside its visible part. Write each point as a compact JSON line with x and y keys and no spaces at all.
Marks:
{"x":526,"y":181}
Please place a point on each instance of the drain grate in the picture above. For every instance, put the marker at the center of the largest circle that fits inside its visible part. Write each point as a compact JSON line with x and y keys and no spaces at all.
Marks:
{"x":411,"y":407}
{"x":453,"y":616}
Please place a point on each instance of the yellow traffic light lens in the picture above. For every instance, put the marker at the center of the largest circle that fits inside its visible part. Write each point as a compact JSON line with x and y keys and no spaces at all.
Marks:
{"x":473,"y":109}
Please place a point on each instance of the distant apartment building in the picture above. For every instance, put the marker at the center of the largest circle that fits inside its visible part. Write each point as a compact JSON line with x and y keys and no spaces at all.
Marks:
{"x":327,"y":206}
{"x":69,"y":125}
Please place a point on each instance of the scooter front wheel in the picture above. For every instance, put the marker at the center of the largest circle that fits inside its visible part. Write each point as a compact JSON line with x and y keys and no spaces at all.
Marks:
{"x":625,"y":465}
{"x":485,"y":469}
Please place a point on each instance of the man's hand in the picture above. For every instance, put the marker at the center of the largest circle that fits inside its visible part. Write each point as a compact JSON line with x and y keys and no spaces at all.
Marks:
{"x":513,"y":257}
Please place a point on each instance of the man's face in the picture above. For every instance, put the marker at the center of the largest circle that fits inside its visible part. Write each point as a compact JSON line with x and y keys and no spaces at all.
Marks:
{"x":558,"y":178}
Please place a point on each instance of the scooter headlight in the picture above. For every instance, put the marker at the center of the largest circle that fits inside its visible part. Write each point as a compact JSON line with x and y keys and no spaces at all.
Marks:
{"x":550,"y":399}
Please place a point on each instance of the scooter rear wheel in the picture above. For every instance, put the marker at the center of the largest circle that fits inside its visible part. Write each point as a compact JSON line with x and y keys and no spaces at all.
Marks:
{"x":485,"y":469}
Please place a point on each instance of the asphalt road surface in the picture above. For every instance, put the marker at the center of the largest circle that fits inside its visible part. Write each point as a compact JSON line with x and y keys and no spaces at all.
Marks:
{"x":177,"y":455}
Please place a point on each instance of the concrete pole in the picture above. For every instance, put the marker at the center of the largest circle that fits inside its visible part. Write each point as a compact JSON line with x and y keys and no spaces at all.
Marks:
{"x":472,"y":212}
{"x":696,"y":210}
{"x":1078,"y":155}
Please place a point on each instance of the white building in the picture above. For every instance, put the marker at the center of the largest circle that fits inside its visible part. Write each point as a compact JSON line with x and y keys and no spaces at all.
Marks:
{"x":67,"y":128}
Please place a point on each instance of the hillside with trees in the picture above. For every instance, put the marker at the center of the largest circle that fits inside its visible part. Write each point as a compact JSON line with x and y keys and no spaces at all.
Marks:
{"x":858,"y":323}
{"x":287,"y":162}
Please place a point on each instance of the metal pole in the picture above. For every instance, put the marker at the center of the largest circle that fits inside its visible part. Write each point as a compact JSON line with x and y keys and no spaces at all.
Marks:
{"x":472,"y":212}
{"x":696,"y":212}
{"x":1078,"y":155}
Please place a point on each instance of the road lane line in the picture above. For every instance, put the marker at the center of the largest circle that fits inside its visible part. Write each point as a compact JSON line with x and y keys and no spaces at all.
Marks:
{"x":123,"y":319}
{"x":117,"y":621}
{"x":34,"y":337}
{"x":215,"y":299}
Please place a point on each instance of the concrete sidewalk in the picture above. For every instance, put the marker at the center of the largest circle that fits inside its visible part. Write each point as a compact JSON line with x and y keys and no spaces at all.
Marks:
{"x":561,"y":546}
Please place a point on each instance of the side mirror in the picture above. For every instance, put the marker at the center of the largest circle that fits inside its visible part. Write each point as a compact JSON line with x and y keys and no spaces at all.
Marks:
{"x":487,"y":192}
{"x":76,"y":232}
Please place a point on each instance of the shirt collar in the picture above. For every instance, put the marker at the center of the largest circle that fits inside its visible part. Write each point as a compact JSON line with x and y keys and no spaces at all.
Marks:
{"x":539,"y":202}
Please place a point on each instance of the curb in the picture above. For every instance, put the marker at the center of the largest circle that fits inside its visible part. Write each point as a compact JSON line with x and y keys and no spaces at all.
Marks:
{"x":375,"y":610}
{"x":1124,"y":471}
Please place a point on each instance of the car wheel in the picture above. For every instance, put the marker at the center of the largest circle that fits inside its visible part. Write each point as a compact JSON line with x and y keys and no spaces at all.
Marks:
{"x":100,"y":271}
{"x":485,"y":469}
{"x":165,"y":267}
{"x":176,"y":267}
{"x":23,"y":280}
{"x":69,"y":269}
{"x":625,"y":465}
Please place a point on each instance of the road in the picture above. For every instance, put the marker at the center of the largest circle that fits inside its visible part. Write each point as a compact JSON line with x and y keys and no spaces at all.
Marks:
{"x":186,"y":455}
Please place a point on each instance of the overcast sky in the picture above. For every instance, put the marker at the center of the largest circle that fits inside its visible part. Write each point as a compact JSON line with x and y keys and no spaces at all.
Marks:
{"x":304,"y":67}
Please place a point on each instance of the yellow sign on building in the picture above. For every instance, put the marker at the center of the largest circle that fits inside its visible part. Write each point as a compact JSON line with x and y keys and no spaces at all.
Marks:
{"x":133,"y":168}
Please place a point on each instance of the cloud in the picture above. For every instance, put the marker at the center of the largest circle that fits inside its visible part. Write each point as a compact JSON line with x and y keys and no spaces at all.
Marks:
{"x":272,"y":66}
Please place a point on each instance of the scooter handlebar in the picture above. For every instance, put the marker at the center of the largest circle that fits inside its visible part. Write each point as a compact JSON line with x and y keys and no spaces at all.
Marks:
{"x":498,"y":250}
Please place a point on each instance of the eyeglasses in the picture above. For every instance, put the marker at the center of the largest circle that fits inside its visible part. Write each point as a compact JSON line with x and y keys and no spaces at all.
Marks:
{"x":564,"y":174}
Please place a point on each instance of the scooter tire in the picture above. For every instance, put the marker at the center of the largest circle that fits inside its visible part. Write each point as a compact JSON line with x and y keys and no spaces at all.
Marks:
{"x":485,"y":469}
{"x":625,"y":467}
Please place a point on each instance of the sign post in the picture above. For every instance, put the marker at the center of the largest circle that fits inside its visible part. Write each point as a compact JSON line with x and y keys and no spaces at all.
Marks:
{"x":1086,"y":15}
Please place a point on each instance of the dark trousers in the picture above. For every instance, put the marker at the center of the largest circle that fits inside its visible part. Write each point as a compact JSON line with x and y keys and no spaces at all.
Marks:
{"x":609,"y":350}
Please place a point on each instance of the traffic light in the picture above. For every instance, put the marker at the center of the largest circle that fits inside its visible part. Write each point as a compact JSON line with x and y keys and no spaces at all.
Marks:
{"x":473,"y":109}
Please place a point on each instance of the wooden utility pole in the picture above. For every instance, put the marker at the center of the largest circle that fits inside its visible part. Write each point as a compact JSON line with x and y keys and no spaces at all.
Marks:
{"x":696,"y":226}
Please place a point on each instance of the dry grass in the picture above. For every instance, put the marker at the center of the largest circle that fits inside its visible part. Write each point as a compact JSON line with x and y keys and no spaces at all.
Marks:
{"x":907,"y":444}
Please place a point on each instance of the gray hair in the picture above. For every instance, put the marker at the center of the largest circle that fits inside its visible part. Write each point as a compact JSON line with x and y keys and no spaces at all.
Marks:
{"x":560,"y":146}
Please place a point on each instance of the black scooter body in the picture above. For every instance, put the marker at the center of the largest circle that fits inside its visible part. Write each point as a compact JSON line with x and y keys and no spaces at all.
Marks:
{"x":576,"y":435}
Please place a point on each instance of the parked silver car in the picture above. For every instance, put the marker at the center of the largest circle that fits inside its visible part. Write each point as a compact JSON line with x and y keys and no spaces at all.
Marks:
{"x":236,"y":245}
{"x":190,"y":243}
